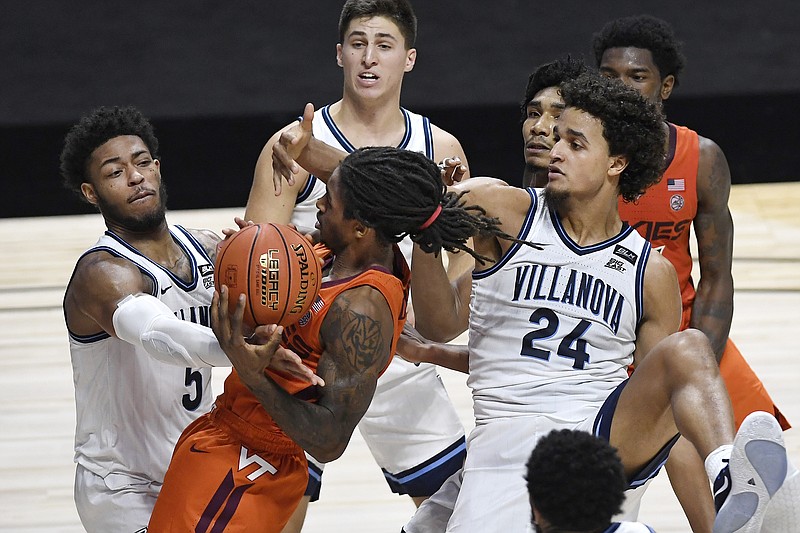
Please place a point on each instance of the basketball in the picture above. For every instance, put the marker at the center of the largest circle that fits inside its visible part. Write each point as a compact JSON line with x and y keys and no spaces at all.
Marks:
{"x":275,"y":267}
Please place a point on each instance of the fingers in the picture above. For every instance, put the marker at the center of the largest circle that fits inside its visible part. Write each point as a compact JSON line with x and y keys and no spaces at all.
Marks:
{"x":220,"y":324}
{"x":238,"y":317}
{"x":275,"y":338}
{"x":308,"y":116}
{"x":243,"y":223}
{"x":452,"y":170}
{"x":283,"y":166}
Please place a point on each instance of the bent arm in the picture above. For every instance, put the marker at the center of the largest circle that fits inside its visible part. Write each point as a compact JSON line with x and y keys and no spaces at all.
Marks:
{"x":147,"y":322}
{"x":662,"y":306}
{"x":441,"y":306}
{"x":111,"y":294}
{"x":263,"y":205}
{"x":357,"y":334}
{"x":712,"y":310}
{"x":416,"y":349}
{"x":296,"y":149}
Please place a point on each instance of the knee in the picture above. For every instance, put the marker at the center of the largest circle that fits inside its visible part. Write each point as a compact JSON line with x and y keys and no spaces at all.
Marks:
{"x":690,"y":350}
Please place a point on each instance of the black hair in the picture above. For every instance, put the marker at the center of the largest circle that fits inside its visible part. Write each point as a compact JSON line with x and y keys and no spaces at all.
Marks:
{"x":632,"y":127}
{"x":92,"y":131}
{"x":569,"y":466}
{"x":398,"y":11}
{"x":397,"y":191}
{"x":552,"y":74}
{"x":647,"y":32}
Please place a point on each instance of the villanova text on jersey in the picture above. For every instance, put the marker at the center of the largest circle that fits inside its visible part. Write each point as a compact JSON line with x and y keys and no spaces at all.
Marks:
{"x":571,"y":287}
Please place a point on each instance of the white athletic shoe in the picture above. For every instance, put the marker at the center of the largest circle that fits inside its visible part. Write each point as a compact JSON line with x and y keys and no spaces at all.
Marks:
{"x":765,"y":487}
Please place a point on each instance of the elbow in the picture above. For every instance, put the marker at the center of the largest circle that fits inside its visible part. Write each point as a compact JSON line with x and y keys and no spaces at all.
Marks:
{"x":437,"y":333}
{"x":328,"y":452}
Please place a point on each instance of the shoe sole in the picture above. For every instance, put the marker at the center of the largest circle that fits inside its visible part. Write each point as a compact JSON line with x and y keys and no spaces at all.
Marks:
{"x":758,"y":468}
{"x":783,"y":511}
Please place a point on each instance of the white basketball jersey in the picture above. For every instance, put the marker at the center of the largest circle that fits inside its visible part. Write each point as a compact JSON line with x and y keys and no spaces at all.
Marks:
{"x":629,"y":527}
{"x":552,"y":331}
{"x":131,"y":408}
{"x":418,"y":138}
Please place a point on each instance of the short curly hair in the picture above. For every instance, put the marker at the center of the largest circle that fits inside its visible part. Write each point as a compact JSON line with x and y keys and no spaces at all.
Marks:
{"x":398,"y":11}
{"x":647,"y":32}
{"x":92,"y":131}
{"x":569,"y":466}
{"x":552,"y":74}
{"x":632,"y":127}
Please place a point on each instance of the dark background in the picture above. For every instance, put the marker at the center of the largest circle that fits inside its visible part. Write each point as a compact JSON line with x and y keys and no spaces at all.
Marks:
{"x":218,"y":78}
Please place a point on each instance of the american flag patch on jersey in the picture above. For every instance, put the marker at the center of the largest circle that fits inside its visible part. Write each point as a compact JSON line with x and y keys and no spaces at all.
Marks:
{"x":318,"y":304}
{"x":676,"y":184}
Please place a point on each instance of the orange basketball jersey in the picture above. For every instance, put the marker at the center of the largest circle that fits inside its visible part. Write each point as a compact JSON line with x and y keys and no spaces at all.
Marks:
{"x":663,"y":214}
{"x":303,"y":339}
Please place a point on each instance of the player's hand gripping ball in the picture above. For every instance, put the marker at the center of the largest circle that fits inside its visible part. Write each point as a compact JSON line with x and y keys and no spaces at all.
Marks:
{"x":275,"y":267}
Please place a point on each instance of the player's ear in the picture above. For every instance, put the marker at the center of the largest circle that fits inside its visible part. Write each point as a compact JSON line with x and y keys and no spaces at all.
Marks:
{"x":157,"y":163}
{"x":617,"y":163}
{"x":667,"y":84}
{"x":411,"y":59}
{"x":87,"y":189}
{"x":339,"y":54}
{"x":360,"y":230}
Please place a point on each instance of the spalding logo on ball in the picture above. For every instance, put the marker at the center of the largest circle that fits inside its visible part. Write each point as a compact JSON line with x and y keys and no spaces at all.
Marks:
{"x":275,"y":267}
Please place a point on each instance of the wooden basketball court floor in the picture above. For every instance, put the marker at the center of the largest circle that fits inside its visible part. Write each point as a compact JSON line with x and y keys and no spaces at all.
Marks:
{"x":37,"y":413}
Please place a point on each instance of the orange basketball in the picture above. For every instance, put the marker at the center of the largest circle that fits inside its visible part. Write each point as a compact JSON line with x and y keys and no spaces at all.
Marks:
{"x":275,"y":267}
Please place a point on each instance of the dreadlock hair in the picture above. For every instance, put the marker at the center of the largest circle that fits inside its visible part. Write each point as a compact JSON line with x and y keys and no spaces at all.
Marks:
{"x":396,"y":192}
{"x":398,"y":11}
{"x":92,"y":131}
{"x":632,"y":127}
{"x":646,"y":32}
{"x":552,"y":74}
{"x":568,"y":466}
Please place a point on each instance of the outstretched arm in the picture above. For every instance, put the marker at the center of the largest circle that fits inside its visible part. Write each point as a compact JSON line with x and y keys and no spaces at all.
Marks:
{"x":662,"y":305}
{"x":712,"y":310}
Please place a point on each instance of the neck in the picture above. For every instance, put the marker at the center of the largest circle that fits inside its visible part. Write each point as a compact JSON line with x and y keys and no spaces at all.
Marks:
{"x":156,"y":244}
{"x":352,"y":262}
{"x":534,"y":176}
{"x":591,"y":222}
{"x":159,"y":232}
{"x":377,"y":115}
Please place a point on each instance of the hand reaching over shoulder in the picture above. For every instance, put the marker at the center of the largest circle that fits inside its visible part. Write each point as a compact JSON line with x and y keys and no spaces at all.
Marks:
{"x":288,"y":148}
{"x":452,"y":169}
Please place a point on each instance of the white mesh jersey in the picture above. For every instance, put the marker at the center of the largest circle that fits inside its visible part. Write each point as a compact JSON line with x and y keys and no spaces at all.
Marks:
{"x":418,"y":138}
{"x":552,"y":331}
{"x":131,"y":408}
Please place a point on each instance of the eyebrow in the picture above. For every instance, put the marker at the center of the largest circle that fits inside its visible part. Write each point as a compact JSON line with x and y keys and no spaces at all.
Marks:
{"x":578,"y":134}
{"x":538,"y":103}
{"x":629,"y":69}
{"x":359,"y":33}
{"x":117,"y":158}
